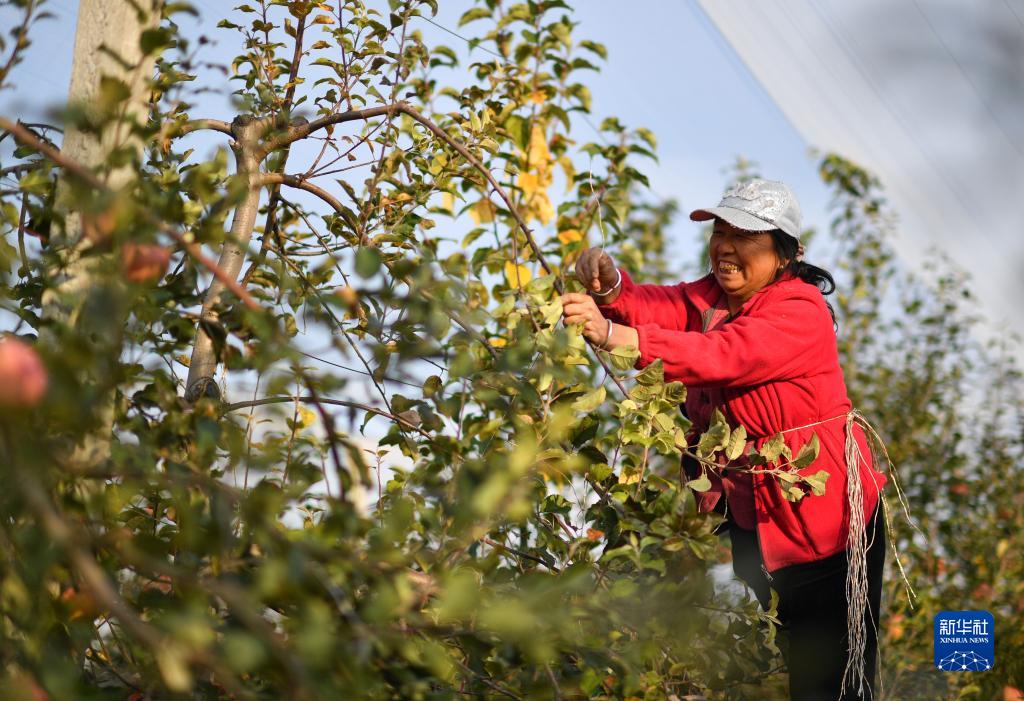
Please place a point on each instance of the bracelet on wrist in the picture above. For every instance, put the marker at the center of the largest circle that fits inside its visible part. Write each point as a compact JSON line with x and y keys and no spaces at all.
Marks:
{"x":608,"y":337}
{"x":618,"y":281}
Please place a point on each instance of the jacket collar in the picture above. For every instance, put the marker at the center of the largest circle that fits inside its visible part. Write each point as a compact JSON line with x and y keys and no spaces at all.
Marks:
{"x":703,"y":293}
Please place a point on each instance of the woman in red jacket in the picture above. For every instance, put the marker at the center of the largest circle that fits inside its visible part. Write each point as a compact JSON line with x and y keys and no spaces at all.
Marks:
{"x":755,"y":339}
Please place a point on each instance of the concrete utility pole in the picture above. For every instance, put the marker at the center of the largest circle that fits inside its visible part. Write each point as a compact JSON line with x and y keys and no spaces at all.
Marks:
{"x":106,"y":28}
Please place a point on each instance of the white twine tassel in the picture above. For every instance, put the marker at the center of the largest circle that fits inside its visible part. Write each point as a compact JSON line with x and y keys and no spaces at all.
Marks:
{"x":857,"y":547}
{"x":857,"y":570}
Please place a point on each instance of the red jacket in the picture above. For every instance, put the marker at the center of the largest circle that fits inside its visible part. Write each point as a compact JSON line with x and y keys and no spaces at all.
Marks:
{"x":773,"y":367}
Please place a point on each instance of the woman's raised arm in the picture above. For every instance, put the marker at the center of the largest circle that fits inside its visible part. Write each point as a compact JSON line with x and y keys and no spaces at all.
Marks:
{"x":627,"y":302}
{"x":791,"y":338}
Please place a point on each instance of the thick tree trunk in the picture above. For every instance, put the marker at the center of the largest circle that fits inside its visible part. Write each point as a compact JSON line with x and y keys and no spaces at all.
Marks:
{"x":80,"y":299}
{"x":117,"y":26}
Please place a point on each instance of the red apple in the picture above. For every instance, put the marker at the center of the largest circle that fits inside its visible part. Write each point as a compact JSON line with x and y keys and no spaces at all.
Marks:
{"x":22,"y":375}
{"x":142,"y":262}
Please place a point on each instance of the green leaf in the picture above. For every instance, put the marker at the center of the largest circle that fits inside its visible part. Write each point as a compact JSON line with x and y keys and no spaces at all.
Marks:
{"x":716,"y":437}
{"x":624,"y":357}
{"x":773,"y":448}
{"x":154,"y":39}
{"x":737,"y":442}
{"x":590,"y":401}
{"x":472,"y":236}
{"x":808,"y":453}
{"x":595,"y":47}
{"x":540,"y":284}
{"x":701,"y":484}
{"x":664,"y":422}
{"x":675,"y":392}
{"x":551,"y":312}
{"x":474,"y":14}
{"x":367,"y":261}
{"x":519,"y":130}
{"x":653,"y":374}
{"x":431,"y":386}
{"x":793,"y":494}
{"x":599,"y":472}
{"x":817,"y":481}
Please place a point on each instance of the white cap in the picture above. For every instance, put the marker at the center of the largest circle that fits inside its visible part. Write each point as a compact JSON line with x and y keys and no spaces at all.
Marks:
{"x":757,"y":205}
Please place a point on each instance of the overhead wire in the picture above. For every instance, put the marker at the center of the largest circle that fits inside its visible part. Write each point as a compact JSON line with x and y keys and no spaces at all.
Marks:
{"x":967,"y":76}
{"x":1014,"y":12}
{"x":851,"y":52}
{"x":361,"y":372}
{"x":473,"y":44}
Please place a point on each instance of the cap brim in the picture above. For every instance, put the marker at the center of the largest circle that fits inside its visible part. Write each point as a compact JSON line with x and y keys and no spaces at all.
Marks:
{"x":736,"y":217}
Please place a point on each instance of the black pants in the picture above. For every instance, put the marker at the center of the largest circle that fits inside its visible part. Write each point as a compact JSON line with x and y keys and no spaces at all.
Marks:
{"x":813,"y":612}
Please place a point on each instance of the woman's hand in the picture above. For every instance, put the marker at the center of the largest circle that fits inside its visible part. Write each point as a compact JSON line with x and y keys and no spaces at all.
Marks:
{"x":581,"y":309}
{"x":596,"y":270}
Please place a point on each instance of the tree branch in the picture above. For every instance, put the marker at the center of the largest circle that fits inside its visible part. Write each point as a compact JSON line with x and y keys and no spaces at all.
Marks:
{"x":299,"y":131}
{"x":20,"y":44}
{"x":301,"y":184}
{"x":199,"y":124}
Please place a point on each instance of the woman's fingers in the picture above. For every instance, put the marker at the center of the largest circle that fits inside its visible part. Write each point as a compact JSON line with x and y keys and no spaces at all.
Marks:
{"x":581,"y":309}
{"x":575,"y":298}
{"x":595,"y":269}
{"x":606,"y":268}
{"x":592,"y":267}
{"x":575,"y":303}
{"x":583,"y":267}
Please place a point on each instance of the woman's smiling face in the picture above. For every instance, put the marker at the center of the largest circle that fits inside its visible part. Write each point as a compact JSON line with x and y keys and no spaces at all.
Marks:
{"x":743,"y":261}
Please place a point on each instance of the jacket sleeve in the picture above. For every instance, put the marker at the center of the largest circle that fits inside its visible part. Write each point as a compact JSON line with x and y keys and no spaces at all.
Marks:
{"x":782,"y":340}
{"x":662,"y":305}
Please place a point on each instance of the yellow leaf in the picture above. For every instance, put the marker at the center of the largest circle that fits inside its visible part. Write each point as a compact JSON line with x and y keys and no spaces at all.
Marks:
{"x":517,"y":275}
{"x":497,"y":341}
{"x":528,"y":182}
{"x":448,"y":201}
{"x":306,"y":417}
{"x":538,"y":154}
{"x":541,"y":208}
{"x":538,"y":97}
{"x":570,"y":171}
{"x":629,"y":475}
{"x":569,"y":235}
{"x":172,"y":661}
{"x":400,"y":197}
{"x":482,"y":212}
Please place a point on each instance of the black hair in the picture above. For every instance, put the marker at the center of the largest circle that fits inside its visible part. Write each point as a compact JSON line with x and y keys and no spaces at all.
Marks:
{"x":786,"y":247}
